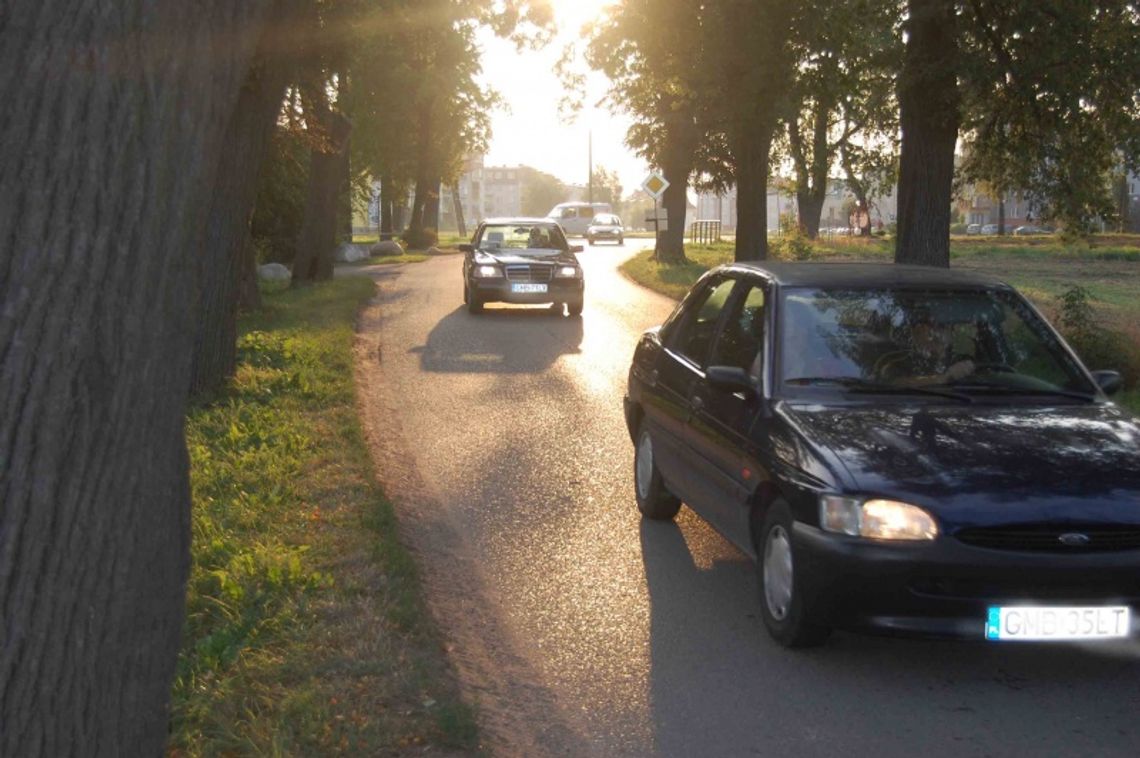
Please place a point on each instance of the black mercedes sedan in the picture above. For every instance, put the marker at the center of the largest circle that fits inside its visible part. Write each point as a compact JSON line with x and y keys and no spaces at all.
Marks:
{"x":900,"y":449}
{"x":521,"y":260}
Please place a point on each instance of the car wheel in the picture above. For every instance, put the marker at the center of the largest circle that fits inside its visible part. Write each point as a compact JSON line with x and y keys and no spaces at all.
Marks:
{"x":474,"y":304}
{"x":653,"y":499}
{"x":621,"y":240}
{"x":792,"y":618}
{"x":574,"y":307}
{"x":466,"y":294}
{"x":590,"y":240}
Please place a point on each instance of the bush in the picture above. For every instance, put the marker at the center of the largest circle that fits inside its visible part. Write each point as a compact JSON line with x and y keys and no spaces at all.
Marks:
{"x":1098,"y":346}
{"x":957,"y":228}
{"x":792,"y":247}
{"x":420,"y":239}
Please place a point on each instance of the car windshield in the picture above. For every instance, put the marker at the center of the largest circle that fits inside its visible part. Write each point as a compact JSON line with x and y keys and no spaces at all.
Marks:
{"x":546,"y":237}
{"x":606,"y":220}
{"x":975,"y":341}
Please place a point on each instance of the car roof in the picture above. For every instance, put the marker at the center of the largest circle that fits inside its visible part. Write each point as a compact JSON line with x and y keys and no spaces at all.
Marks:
{"x":508,"y":220}
{"x":863,"y":275}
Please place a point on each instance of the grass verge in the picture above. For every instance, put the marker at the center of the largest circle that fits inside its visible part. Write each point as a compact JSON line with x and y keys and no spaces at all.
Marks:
{"x":306,"y":632}
{"x":1042,"y":268}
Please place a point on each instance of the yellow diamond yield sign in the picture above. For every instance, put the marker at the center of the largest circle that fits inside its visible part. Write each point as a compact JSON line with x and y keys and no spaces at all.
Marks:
{"x":654,"y":185}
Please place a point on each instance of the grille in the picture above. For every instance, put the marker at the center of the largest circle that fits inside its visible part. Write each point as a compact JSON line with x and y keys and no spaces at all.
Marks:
{"x":1047,"y":538}
{"x":1102,"y":588}
{"x":526,"y":272}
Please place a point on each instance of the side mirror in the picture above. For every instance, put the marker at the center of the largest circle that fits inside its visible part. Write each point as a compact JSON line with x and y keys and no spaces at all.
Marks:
{"x":1108,"y":381}
{"x":466,"y":247}
{"x":576,"y":248}
{"x":729,"y":379}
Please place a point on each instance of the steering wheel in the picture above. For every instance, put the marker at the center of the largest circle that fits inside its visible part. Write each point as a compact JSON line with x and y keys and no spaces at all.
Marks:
{"x":996,"y":368}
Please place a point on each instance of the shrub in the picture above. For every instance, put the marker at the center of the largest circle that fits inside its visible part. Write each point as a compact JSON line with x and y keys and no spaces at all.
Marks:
{"x":792,"y":247}
{"x":420,"y":239}
{"x":957,"y":228}
{"x":1098,"y":346}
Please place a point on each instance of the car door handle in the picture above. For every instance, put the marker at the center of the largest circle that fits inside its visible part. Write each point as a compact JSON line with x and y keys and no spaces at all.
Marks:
{"x":697,"y":404}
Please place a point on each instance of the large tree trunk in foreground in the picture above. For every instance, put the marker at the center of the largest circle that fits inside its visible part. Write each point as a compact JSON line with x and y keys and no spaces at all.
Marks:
{"x":676,"y":165}
{"x":431,"y":205}
{"x":317,"y":241}
{"x":113,"y":125}
{"x":225,"y":249}
{"x":929,"y":117}
{"x":751,"y":148}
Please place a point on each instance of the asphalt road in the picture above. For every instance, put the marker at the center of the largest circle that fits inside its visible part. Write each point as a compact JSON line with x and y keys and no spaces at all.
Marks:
{"x":603,"y":634}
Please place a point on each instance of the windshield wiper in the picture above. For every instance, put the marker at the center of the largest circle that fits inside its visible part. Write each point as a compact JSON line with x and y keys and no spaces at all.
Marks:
{"x":999,"y":389}
{"x":855,"y":384}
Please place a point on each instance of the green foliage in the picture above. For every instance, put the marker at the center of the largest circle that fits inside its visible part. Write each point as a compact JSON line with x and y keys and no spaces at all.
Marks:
{"x":280,"y":206}
{"x":607,"y":188}
{"x":420,"y":239}
{"x":1049,"y":100}
{"x":540,"y":192}
{"x":792,"y":246}
{"x":1099,"y":347}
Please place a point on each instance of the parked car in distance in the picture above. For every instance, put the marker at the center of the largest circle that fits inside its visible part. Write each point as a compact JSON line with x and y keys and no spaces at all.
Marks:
{"x":605,"y":226}
{"x":989,"y":229}
{"x":901,"y":449}
{"x":1031,"y":229}
{"x":974,"y":229}
{"x":521,"y":260}
{"x":575,"y":218}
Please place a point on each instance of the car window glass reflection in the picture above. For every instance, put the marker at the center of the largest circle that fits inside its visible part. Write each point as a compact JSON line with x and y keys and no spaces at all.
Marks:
{"x":920,"y":337}
{"x":695,"y":335}
{"x":739,"y":344}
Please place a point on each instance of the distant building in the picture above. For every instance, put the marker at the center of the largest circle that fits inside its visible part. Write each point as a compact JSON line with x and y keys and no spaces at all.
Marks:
{"x":711,"y":206}
{"x":502,"y":191}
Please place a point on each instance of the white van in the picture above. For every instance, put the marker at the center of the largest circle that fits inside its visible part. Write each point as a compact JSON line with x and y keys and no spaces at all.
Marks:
{"x":575,"y":217}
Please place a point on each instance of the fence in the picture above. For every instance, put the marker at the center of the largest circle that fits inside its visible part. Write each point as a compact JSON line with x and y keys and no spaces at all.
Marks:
{"x":704,"y":231}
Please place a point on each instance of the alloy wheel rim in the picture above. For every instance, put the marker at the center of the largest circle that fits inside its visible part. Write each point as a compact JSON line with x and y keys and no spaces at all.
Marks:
{"x":778,"y":573}
{"x":644,"y":465}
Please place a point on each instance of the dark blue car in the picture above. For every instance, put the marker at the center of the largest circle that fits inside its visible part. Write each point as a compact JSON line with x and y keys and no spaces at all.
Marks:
{"x":902,"y":449}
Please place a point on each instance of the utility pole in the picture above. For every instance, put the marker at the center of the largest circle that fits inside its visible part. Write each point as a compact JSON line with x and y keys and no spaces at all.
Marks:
{"x":590,"y":160}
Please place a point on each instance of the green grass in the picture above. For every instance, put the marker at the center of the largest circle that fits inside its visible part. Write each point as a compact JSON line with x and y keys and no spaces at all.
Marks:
{"x":306,"y":632}
{"x":1107,"y":266}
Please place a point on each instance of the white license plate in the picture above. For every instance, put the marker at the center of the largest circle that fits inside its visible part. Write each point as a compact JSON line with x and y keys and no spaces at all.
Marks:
{"x":528,"y":288}
{"x":1036,"y":623}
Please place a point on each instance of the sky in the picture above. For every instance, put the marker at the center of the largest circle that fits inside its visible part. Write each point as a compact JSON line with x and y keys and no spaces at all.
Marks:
{"x":533,"y":132}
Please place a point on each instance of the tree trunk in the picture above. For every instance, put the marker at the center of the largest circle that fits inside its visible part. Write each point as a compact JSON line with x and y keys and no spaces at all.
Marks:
{"x":419,"y":203}
{"x":457,"y":203}
{"x":751,"y":148}
{"x":226,"y":248}
{"x":345,"y":213}
{"x":249,"y":294}
{"x":317,"y":241}
{"x":386,"y":209}
{"x":431,"y":205}
{"x":1001,"y":216}
{"x":114,"y":124}
{"x":677,"y":164}
{"x":929,"y":118}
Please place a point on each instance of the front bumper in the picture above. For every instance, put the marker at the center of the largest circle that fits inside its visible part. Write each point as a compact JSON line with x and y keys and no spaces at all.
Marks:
{"x":499,"y":290}
{"x":943,"y":588}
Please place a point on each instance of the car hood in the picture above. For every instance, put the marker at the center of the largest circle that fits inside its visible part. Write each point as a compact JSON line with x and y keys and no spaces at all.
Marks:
{"x":524,"y":256}
{"x":985,"y":465}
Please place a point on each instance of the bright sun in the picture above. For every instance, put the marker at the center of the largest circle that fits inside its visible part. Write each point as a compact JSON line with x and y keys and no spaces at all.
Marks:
{"x":574,"y":13}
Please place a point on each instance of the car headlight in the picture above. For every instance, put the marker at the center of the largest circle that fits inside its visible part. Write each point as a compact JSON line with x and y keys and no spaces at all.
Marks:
{"x":875,"y":519}
{"x":567,"y":272}
{"x":486,"y":272}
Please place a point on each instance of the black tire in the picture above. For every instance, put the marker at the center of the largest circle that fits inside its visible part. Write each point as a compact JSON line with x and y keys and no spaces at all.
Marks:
{"x":574,"y":307}
{"x":792,"y":617}
{"x":466,"y":294}
{"x":590,"y":240}
{"x":653,"y":499}
{"x":474,"y":304}
{"x":621,"y":240}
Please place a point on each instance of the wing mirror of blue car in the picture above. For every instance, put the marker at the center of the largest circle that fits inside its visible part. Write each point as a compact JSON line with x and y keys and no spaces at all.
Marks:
{"x":466,"y":247}
{"x":729,"y":379}
{"x":576,"y":248}
{"x":1108,"y":381}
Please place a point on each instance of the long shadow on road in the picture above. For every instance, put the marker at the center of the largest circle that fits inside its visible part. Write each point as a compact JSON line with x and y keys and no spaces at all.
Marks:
{"x":719,"y":686}
{"x":500,"y":340}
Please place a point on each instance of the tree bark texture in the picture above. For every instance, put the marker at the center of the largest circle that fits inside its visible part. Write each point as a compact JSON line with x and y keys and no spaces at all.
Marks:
{"x":457,"y":205}
{"x":317,"y":241}
{"x":387,"y":226}
{"x":811,"y":170}
{"x":677,"y":165}
{"x":113,"y":124}
{"x":929,"y":111}
{"x":225,"y":247}
{"x":751,"y":148}
{"x":431,"y":204}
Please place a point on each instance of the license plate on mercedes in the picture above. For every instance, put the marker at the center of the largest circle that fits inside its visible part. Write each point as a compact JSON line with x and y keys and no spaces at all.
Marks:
{"x":528,"y":288}
{"x":1046,"y":623}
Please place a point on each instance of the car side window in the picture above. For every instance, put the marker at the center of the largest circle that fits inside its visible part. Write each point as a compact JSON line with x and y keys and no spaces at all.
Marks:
{"x":740,"y":343}
{"x":696,"y":332}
